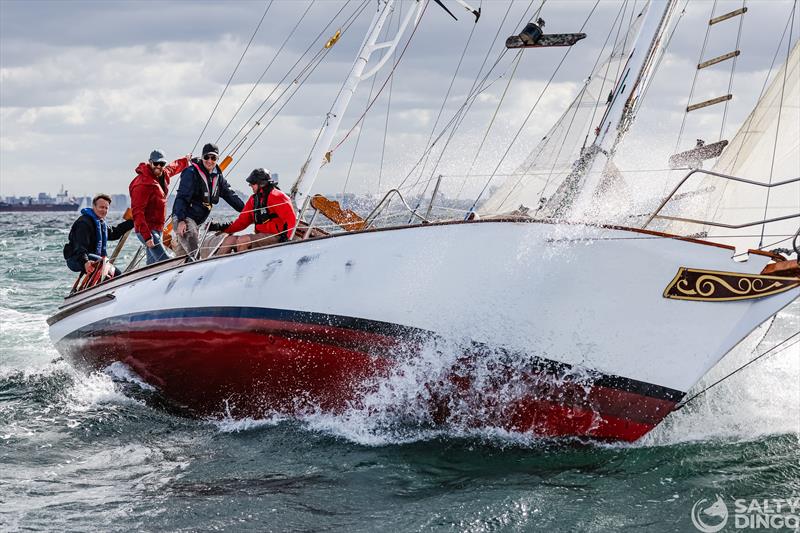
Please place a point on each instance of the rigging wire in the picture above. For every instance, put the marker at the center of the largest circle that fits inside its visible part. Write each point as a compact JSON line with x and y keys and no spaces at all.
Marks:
{"x":747,"y":129}
{"x":295,"y":85}
{"x":515,"y":62}
{"x":446,"y":96}
{"x":530,"y":113}
{"x":232,"y":75}
{"x":694,"y":79}
{"x":361,"y":129}
{"x":465,"y":108}
{"x":780,"y":115}
{"x":269,"y":65}
{"x":383,"y":86}
{"x":620,"y":17}
{"x":388,"y":105}
{"x":770,"y":351}
{"x":300,"y":79}
{"x":302,"y":56}
{"x":733,"y":71}
{"x":601,"y":92}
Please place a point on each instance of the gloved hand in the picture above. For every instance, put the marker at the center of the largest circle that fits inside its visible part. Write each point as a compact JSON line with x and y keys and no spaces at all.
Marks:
{"x":218,"y":226}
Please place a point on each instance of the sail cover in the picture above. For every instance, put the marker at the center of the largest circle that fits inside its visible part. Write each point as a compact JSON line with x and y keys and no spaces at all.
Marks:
{"x":551,"y":160}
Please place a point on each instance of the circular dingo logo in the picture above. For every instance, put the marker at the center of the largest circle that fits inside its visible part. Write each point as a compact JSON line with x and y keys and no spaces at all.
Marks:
{"x":717,"y":511}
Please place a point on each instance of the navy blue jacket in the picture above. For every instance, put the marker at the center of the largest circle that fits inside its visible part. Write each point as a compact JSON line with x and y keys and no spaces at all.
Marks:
{"x":197,"y":192}
{"x":83,"y":237}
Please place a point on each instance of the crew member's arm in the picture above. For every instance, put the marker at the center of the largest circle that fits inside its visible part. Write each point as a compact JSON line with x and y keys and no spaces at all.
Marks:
{"x":246,"y":217}
{"x":116,"y":232}
{"x":228,"y":195}
{"x":138,"y":194}
{"x":176,"y":166}
{"x":286,"y":215}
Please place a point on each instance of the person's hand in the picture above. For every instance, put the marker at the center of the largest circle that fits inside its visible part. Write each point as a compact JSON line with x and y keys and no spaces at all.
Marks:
{"x":149,"y":243}
{"x":189,"y":156}
{"x":181,"y":227}
{"x":89,"y":266}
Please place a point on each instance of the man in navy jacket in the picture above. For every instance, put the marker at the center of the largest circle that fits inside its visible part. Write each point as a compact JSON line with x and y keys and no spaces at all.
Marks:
{"x":89,"y":235}
{"x":200,"y":188}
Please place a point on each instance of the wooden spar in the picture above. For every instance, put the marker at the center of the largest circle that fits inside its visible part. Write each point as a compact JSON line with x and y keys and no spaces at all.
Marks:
{"x":707,"y":103}
{"x":726,"y":16}
{"x":719,"y":59}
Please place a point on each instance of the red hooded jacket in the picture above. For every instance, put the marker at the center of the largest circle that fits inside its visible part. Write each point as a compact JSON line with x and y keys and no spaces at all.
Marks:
{"x":278,"y":204}
{"x":149,"y":197}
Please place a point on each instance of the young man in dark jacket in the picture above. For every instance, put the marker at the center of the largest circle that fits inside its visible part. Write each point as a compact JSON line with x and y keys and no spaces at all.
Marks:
{"x":89,"y":235}
{"x":148,"y":191}
{"x":200,"y":188}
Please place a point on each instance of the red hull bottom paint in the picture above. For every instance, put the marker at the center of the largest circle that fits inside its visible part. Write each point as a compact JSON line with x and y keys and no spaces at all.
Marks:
{"x":247,"y":367}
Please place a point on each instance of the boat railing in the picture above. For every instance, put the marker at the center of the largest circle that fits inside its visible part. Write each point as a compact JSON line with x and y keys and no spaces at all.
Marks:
{"x":373,"y":215}
{"x":657,"y":213}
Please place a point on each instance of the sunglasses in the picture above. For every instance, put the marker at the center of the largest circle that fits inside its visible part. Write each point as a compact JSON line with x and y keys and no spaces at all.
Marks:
{"x":159,"y":164}
{"x":211,"y":157}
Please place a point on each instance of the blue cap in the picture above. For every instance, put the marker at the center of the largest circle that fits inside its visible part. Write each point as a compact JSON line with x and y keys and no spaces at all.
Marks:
{"x":157,"y":156}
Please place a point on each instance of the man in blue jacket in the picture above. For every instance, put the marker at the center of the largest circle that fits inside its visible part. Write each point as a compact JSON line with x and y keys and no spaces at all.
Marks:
{"x":89,"y":236}
{"x":200,"y":188}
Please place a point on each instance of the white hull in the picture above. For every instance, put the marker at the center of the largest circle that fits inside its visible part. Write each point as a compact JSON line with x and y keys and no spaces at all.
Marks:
{"x":587,"y":297}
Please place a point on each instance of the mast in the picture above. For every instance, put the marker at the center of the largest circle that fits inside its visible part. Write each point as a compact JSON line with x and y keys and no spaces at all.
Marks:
{"x":319,"y":153}
{"x":621,"y":110}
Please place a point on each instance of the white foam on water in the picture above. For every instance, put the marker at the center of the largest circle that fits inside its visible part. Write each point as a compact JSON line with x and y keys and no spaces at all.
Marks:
{"x":122,"y":372}
{"x":233,"y":425}
{"x":90,"y":391}
{"x":24,"y":342}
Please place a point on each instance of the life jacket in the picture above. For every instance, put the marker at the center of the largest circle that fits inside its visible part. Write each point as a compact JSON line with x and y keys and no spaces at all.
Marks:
{"x":210,"y":189}
{"x":261,"y":211}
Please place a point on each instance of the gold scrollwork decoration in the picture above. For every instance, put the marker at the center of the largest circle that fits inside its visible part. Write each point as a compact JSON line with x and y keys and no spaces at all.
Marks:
{"x":714,"y":286}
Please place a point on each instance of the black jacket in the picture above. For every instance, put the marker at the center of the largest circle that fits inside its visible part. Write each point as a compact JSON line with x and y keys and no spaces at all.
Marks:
{"x":196,"y":193}
{"x":83,"y":237}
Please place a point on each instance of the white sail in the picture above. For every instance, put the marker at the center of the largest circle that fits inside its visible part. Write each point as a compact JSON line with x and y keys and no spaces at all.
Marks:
{"x":551,"y":161}
{"x":766,"y":149}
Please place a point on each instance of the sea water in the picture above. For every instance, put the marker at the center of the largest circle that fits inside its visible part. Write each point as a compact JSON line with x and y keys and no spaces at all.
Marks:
{"x":95,"y":453}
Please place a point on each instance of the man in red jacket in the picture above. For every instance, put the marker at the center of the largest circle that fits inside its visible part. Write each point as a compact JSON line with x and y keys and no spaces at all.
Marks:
{"x":268,"y":208}
{"x":149,"y":190}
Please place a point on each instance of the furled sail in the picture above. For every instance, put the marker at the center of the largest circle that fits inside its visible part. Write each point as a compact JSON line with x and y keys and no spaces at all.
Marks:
{"x":553,"y":158}
{"x":766,"y":149}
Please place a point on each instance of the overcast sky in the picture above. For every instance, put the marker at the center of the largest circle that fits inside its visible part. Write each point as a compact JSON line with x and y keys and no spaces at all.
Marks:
{"x":88,"y":89}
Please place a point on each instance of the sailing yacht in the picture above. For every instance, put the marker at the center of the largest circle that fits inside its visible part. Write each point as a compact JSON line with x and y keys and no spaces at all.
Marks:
{"x":562,"y":323}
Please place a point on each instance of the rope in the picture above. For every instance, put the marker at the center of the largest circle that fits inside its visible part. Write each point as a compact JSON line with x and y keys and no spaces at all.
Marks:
{"x":298,"y":82}
{"x":530,"y":113}
{"x":231,"y":77}
{"x":383,"y":86}
{"x":465,"y":107}
{"x":274,"y":57}
{"x":749,"y":119}
{"x":388,"y":104}
{"x":444,"y":101}
{"x":780,"y":115}
{"x":694,"y":79}
{"x":361,"y":130}
{"x":285,"y":76}
{"x":733,"y":71}
{"x":771,"y":350}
